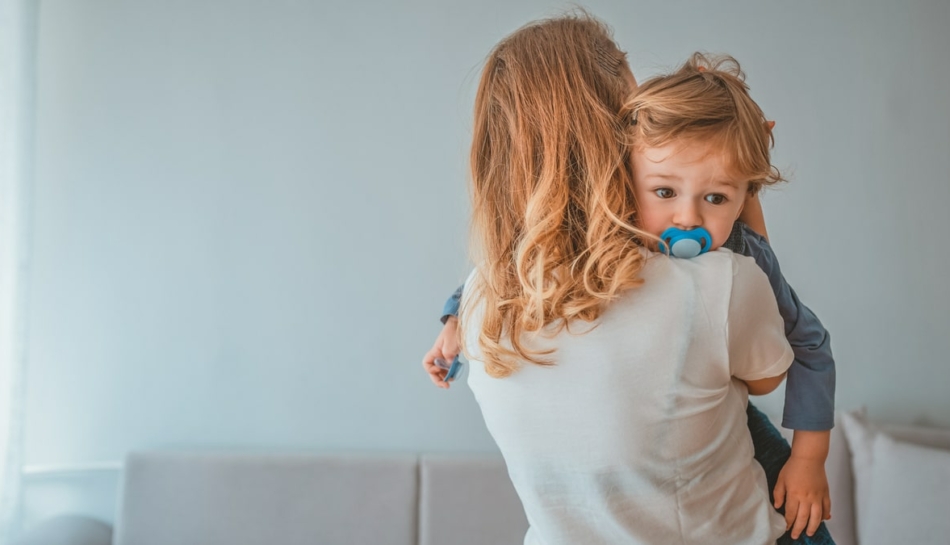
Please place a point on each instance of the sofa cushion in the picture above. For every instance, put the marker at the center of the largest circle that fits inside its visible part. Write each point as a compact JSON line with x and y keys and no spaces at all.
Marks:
{"x":910,"y":492}
{"x":207,"y":498}
{"x":861,"y":436}
{"x":468,"y":500}
{"x":67,"y":530}
{"x":841,"y":487}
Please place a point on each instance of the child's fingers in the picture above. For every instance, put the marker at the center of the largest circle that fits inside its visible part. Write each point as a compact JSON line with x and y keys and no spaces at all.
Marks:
{"x":779,"y":493}
{"x":428,"y":361}
{"x":801,"y":520}
{"x":814,"y":519}
{"x":791,"y":511}
{"x":436,"y":374}
{"x":431,"y":359}
{"x":439,"y":380}
{"x":438,"y":377}
{"x":826,"y":506}
{"x":448,"y":354}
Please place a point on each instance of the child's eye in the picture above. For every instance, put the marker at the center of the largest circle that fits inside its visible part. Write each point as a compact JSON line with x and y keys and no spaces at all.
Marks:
{"x":715,"y":198}
{"x":664,"y":193}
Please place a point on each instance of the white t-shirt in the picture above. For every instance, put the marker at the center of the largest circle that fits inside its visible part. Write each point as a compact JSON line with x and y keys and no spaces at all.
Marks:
{"x":638,"y":433}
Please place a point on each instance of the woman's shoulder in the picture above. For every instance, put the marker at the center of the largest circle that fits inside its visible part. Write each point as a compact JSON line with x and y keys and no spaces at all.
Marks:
{"x":738,"y":264}
{"x":713,"y":263}
{"x":749,"y":281}
{"x":715,"y":276}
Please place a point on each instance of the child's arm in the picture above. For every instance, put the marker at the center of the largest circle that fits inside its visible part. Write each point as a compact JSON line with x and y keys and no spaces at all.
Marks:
{"x":452,"y":304}
{"x":809,"y":397}
{"x":809,"y":394}
{"x":447,"y":343}
{"x":802,"y":485}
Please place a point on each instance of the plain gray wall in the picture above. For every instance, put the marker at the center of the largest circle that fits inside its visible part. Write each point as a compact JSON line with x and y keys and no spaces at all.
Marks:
{"x":248,"y":214}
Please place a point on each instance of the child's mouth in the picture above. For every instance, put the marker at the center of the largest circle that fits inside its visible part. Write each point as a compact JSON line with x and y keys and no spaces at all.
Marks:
{"x":685,"y":243}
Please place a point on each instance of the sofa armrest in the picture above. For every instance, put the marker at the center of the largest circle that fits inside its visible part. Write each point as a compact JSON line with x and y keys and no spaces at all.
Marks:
{"x":67,"y":530}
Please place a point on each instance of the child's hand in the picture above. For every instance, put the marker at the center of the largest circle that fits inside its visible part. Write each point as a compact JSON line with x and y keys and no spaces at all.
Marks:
{"x":802,"y":487}
{"x":446,"y":347}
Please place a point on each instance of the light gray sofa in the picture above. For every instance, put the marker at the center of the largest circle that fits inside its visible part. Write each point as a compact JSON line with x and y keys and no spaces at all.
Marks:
{"x":226,"y":498}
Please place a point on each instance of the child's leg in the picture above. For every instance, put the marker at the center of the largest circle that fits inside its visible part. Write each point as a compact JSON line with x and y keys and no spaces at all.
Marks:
{"x":772,"y":451}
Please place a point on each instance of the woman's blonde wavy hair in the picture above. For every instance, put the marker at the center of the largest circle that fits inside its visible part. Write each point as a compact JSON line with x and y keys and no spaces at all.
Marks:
{"x":553,"y":204}
{"x":706,"y":99}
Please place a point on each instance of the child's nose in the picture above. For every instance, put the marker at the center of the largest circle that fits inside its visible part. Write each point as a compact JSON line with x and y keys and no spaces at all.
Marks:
{"x":687,"y":217}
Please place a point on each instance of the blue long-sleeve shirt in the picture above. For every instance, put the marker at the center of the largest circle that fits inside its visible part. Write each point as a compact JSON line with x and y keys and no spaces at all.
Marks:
{"x":810,"y":385}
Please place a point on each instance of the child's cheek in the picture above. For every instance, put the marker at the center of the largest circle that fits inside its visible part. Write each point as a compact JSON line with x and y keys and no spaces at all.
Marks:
{"x":652,"y":222}
{"x":720,"y":236}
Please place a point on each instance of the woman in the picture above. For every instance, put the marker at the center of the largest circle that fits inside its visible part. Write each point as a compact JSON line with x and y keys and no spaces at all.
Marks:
{"x":605,"y":372}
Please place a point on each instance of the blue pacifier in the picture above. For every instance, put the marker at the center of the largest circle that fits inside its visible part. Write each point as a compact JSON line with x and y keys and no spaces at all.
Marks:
{"x":686,"y":244}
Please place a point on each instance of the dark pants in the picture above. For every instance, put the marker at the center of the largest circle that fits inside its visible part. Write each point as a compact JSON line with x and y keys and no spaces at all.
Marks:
{"x":772,"y":451}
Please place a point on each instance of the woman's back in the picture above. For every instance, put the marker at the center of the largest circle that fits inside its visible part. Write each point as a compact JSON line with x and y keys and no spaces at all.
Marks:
{"x":637,"y":434}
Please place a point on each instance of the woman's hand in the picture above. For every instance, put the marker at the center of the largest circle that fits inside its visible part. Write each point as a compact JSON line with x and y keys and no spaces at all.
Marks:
{"x":446,"y":347}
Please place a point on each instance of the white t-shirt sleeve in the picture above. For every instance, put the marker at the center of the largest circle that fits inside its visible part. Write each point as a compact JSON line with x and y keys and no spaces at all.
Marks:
{"x":755,"y":330}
